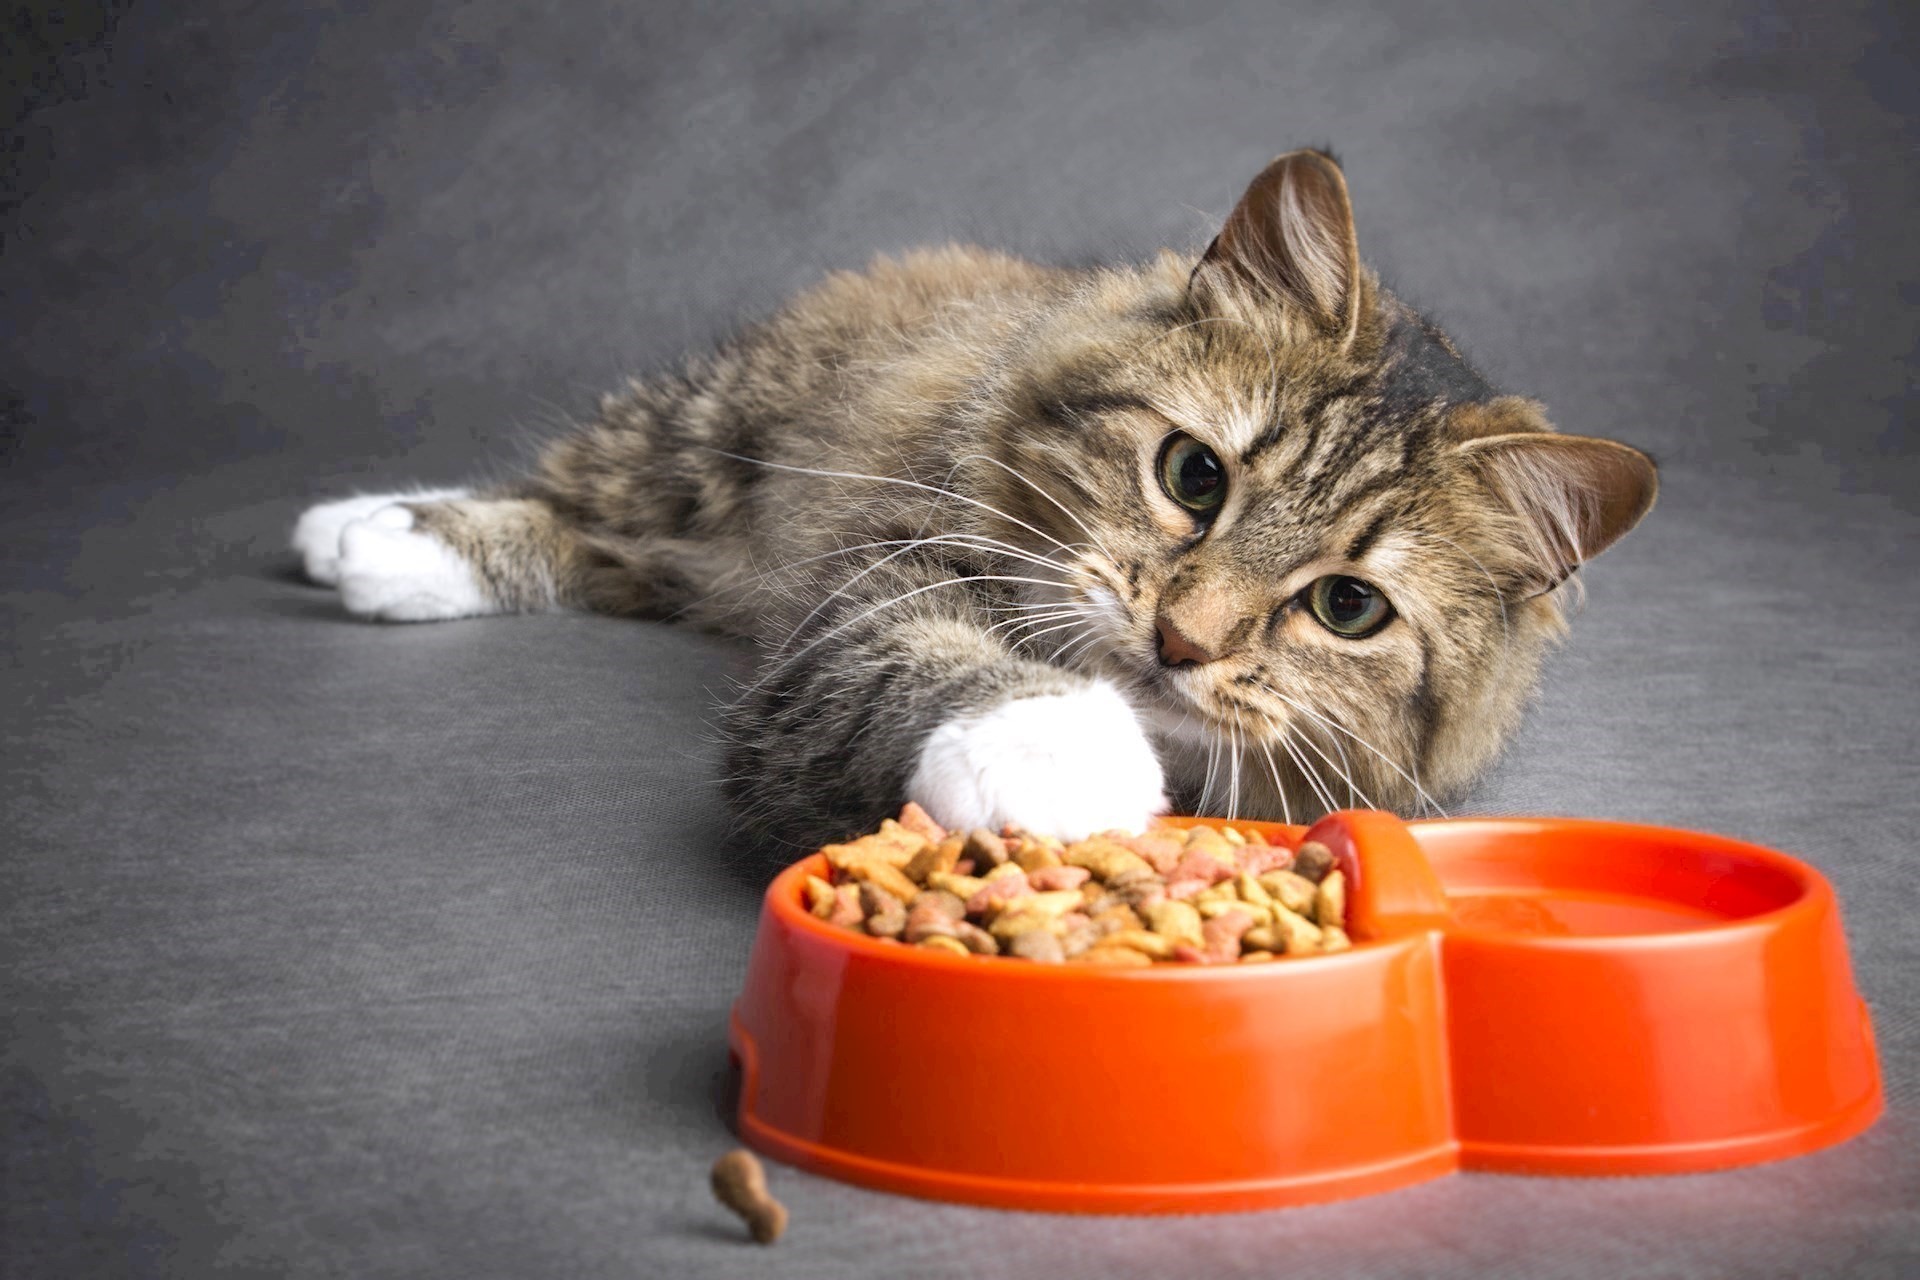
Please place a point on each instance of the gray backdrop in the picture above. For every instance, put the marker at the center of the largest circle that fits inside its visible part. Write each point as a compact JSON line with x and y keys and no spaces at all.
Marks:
{"x":338,"y":949}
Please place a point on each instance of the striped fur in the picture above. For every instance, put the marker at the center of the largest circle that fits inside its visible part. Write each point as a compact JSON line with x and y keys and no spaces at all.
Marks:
{"x":929,"y":487}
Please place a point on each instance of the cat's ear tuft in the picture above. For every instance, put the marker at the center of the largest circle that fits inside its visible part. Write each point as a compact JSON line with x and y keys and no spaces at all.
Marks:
{"x":1291,"y":237}
{"x":1574,"y":496}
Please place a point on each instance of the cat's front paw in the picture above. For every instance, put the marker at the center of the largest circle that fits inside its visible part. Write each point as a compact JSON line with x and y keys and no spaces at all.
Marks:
{"x":1064,"y":765}
{"x":316,"y":535}
{"x":391,"y":571}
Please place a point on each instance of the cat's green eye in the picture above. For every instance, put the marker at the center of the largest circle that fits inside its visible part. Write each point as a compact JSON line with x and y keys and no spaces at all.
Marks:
{"x":1347,"y":606}
{"x":1192,"y":474}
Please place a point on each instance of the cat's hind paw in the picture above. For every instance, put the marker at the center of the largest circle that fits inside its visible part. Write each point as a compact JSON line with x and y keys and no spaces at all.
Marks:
{"x":1064,"y":765}
{"x":393,"y":572}
{"x":316,"y":535}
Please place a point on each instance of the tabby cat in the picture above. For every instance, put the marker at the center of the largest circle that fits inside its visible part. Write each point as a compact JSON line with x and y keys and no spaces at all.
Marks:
{"x":1236,"y":533}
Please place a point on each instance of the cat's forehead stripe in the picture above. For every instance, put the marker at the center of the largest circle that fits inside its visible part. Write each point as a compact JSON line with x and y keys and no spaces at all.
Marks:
{"x":1072,"y":410}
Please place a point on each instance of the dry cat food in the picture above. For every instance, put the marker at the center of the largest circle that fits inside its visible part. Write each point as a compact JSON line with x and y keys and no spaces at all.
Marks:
{"x":1198,"y":896}
{"x":741,"y":1184}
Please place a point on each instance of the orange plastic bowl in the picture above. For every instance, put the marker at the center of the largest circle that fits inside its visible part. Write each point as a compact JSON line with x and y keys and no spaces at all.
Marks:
{"x":1537,"y":995}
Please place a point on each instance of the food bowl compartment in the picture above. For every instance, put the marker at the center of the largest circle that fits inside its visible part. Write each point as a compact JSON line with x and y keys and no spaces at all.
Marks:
{"x":1174,"y":1089}
{"x":1626,"y":999}
{"x":1524,"y":994}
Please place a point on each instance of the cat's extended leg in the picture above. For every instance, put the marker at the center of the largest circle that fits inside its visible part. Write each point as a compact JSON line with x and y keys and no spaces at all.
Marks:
{"x":421,"y":557}
{"x":437,"y":554}
{"x":869,"y":711}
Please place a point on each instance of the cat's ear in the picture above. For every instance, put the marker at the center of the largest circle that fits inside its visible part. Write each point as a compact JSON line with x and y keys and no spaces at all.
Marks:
{"x":1291,"y":238}
{"x":1574,"y":496}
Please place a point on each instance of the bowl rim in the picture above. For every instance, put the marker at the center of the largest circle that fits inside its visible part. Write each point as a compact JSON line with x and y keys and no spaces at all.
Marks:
{"x":782,"y":901}
{"x":1812,"y":891}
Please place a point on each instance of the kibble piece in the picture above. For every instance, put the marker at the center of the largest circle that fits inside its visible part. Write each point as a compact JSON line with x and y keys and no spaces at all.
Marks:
{"x":961,"y":887}
{"x":1313,"y":860}
{"x":1106,"y":859}
{"x":1207,"y":841}
{"x":1028,"y":915}
{"x":1220,"y":936}
{"x":1059,"y":877}
{"x":1113,"y":957}
{"x":1146,"y":942}
{"x":939,"y":901}
{"x":741,"y":1184}
{"x":892,"y":844}
{"x":1035,"y":855}
{"x":1299,"y":934}
{"x":1226,"y":893}
{"x":944,"y":942}
{"x":985,"y":848}
{"x":1251,"y":890}
{"x":1262,"y":937}
{"x":1007,"y":884}
{"x":1140,"y":894}
{"x":1211,"y":907}
{"x":1175,"y":921}
{"x":976,"y":939}
{"x":1118,"y":918}
{"x":887,"y":877}
{"x":886,"y":914}
{"x":1293,"y":891}
{"x":1334,"y":938}
{"x":1258,"y":859}
{"x":1039,"y":946}
{"x":1076,"y":932}
{"x":819,"y":897}
{"x":935,"y":857}
{"x":1330,"y":908}
{"x":846,"y":912}
{"x":921,"y":823}
{"x":1161,"y":849}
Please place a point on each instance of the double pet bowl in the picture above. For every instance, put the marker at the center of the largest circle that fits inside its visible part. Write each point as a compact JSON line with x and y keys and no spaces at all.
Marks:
{"x":1523,"y":995}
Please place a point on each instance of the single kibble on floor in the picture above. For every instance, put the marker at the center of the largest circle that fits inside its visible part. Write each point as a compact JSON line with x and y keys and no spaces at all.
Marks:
{"x":741,"y":1184}
{"x":1114,"y":900}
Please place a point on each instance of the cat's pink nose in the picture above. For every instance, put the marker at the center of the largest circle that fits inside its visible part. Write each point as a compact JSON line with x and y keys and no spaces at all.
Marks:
{"x":1177,"y":649}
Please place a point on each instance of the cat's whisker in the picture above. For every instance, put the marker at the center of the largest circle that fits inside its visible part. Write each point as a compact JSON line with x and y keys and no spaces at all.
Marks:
{"x":1033,"y":636}
{"x":1340,"y":728}
{"x":1213,"y":764}
{"x":911,"y":544}
{"x":1035,"y":486}
{"x":1353,"y":788}
{"x":1286,"y":809}
{"x":1015,"y":625}
{"x":1065,"y":655}
{"x":1312,"y":775}
{"x":773,"y":666}
{"x":878,"y":479}
{"x":769,"y":575}
{"x":1233,"y":787}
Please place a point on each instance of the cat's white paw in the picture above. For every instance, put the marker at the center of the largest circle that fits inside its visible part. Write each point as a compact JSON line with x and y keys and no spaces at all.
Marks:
{"x":1064,"y":765}
{"x":316,"y":535}
{"x":391,"y":571}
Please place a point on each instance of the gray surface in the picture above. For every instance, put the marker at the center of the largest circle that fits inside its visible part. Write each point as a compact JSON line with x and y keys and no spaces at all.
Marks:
{"x":333,"y":949}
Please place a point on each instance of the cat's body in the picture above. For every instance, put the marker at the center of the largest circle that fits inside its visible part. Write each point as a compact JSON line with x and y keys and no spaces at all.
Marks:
{"x":1060,"y":547}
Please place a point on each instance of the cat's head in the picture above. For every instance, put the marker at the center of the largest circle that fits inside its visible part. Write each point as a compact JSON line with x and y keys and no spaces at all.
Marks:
{"x":1315,"y":546}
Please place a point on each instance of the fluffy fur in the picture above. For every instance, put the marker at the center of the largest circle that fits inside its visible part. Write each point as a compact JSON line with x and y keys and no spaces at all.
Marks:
{"x":931,"y":492}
